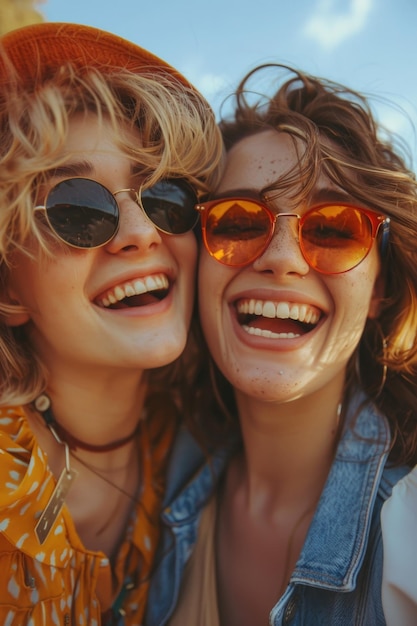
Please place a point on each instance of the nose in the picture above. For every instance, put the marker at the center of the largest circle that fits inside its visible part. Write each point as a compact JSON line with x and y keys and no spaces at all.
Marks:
{"x":136,"y":231}
{"x":283,"y":254}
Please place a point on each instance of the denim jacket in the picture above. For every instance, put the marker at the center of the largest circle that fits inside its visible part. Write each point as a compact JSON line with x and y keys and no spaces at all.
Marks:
{"x":337,"y":578}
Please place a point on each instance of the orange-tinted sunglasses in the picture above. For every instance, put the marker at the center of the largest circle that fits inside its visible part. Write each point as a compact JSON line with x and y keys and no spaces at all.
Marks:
{"x":333,"y":237}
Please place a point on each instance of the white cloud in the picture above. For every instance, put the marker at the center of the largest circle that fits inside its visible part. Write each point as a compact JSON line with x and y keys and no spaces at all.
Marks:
{"x":210,"y":84}
{"x":214,"y":87}
{"x":330,"y":27}
{"x":398,"y":118}
{"x":394,"y":121}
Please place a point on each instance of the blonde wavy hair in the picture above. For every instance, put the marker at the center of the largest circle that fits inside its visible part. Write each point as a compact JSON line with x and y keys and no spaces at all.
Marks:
{"x":179,"y":138}
{"x":339,"y":137}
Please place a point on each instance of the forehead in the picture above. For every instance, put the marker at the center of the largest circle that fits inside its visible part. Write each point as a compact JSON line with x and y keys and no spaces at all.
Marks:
{"x":94,"y":148}
{"x":258,"y":161}
{"x":90,"y":132}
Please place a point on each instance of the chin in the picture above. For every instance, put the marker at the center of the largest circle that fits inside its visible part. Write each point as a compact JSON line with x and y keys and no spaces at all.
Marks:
{"x":170,"y":352}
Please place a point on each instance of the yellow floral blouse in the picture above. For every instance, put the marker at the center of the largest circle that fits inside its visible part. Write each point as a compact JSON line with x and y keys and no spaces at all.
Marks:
{"x":61,"y":582}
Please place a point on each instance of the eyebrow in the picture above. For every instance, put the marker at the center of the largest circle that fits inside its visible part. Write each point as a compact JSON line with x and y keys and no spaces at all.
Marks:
{"x":78,"y":168}
{"x":332,"y":194}
{"x":81,"y":169}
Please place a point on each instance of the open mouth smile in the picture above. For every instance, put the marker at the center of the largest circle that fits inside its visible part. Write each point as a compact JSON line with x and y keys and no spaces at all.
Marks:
{"x":135,"y":293}
{"x":276,"y":320}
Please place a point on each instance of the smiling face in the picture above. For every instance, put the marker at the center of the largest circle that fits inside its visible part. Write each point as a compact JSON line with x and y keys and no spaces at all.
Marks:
{"x":124,"y":305}
{"x":277,"y":329}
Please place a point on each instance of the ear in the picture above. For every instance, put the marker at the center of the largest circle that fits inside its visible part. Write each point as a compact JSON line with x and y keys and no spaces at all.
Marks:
{"x":17,"y":318}
{"x":14,"y":313}
{"x":377,"y":297}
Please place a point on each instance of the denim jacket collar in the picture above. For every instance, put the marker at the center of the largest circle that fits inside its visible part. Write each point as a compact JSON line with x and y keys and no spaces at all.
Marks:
{"x":336,"y":542}
{"x":341,"y":529}
{"x":190,"y":484}
{"x":344,"y":512}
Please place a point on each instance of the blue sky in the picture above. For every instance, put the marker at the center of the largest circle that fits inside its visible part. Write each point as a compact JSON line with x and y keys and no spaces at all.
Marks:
{"x":369,"y":45}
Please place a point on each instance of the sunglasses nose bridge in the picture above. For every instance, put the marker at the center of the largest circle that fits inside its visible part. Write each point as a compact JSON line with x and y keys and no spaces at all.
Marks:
{"x":129,"y":190}
{"x":134,"y":195}
{"x":275,"y":231}
{"x":275,"y":220}
{"x":282,"y":252}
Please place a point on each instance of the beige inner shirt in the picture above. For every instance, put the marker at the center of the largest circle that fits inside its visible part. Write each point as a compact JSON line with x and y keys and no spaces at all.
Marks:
{"x":198,"y":595}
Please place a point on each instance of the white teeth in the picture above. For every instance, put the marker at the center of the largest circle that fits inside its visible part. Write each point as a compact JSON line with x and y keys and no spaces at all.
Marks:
{"x":258,"y":309}
{"x":268,"y":333}
{"x":151,"y":283}
{"x":160,"y":282}
{"x":283,"y":310}
{"x":130,"y":291}
{"x":295,"y":313}
{"x":302,"y":313}
{"x":269,"y":310}
{"x":119,"y":293}
{"x":280,"y":310}
{"x":139,"y":287}
{"x":134,"y":288}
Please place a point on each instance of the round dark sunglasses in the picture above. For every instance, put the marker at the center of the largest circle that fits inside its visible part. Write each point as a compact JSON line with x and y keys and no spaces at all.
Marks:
{"x":333,"y":237}
{"x":85,"y":214}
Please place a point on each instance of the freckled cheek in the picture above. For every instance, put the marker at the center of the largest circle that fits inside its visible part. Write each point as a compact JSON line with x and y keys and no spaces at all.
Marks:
{"x":352,"y":302}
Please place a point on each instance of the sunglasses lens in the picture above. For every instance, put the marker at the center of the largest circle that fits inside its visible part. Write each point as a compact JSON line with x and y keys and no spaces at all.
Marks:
{"x":334,"y":238}
{"x":170,"y":205}
{"x":236,"y":231}
{"x":82,"y":212}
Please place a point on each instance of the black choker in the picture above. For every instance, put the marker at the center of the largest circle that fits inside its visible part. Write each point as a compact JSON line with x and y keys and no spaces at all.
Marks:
{"x":43,"y":405}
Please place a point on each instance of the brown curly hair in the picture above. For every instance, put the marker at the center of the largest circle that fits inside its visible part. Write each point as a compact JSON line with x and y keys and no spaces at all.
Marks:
{"x":340,"y":137}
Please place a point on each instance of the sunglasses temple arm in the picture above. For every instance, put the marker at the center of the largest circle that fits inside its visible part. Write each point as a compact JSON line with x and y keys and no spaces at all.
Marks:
{"x":384,"y":237}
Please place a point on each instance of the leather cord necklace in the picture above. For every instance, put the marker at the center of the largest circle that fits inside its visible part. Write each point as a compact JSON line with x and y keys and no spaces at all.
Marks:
{"x":47,"y":519}
{"x":43,"y":405}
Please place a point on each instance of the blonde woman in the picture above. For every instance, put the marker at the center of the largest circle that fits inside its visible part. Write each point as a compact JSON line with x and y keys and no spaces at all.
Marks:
{"x":104,"y":150}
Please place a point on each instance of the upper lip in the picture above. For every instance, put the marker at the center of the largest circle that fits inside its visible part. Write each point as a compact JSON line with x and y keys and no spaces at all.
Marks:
{"x":130,"y":286}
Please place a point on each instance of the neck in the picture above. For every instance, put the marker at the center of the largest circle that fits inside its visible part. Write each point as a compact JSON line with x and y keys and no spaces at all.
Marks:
{"x":91,"y":419}
{"x":43,"y":405}
{"x":288,"y":448}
